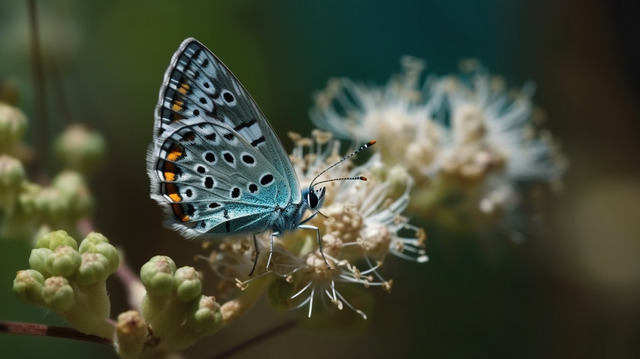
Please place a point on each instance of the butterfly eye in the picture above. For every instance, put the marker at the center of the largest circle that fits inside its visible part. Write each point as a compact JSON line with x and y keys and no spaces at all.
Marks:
{"x":312,"y":200}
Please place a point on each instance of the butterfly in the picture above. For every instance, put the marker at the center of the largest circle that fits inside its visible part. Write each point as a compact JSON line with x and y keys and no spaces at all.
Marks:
{"x":216,"y":166}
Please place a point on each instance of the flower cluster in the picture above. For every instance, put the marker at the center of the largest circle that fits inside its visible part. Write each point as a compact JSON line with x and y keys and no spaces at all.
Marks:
{"x":360,"y":224}
{"x":168,"y":312}
{"x":70,"y":279}
{"x":465,"y":139}
{"x":28,"y":209}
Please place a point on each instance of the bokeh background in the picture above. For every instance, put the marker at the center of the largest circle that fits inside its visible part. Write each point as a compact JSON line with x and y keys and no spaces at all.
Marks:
{"x":573,"y":291}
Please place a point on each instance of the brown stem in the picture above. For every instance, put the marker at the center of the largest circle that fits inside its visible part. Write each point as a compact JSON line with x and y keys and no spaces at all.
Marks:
{"x":49,"y":331}
{"x":257,"y":339}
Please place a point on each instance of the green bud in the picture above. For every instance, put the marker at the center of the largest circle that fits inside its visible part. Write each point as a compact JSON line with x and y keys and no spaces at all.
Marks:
{"x":64,"y":261}
{"x":38,"y":260}
{"x":188,"y":284}
{"x":93,"y":269}
{"x":92,"y":239}
{"x":131,"y":332}
{"x":52,"y":240}
{"x":157,"y":275}
{"x":73,"y":189}
{"x":58,"y":294}
{"x":12,"y":176}
{"x":80,"y":149}
{"x":13,"y":124}
{"x":28,"y":197}
{"x":27,"y":286}
{"x":53,"y":207}
{"x":204,"y":316}
{"x":97,"y":243}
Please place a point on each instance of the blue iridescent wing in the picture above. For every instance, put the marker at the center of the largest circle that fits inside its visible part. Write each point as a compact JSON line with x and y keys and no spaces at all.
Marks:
{"x":215,"y":164}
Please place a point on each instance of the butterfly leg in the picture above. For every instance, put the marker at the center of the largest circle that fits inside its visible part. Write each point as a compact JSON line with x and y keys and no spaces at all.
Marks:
{"x":255,"y":260}
{"x":306,"y":226}
{"x":271,"y":248}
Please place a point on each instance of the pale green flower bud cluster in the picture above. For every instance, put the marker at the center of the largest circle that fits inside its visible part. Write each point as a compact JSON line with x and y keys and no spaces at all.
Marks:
{"x":71,"y":280}
{"x":80,"y":149}
{"x":32,"y":208}
{"x":26,"y":208}
{"x":174,"y":306}
{"x":13,"y":125}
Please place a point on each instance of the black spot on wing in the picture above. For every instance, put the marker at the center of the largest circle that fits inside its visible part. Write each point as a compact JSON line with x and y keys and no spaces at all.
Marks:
{"x":245,"y":124}
{"x":257,"y":141}
{"x":266,"y":179}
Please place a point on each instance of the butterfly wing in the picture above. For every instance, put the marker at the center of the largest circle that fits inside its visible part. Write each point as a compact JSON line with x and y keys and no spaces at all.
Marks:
{"x":215,"y":164}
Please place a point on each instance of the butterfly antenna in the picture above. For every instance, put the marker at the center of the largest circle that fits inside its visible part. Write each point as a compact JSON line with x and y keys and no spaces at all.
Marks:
{"x":362,"y":148}
{"x":356,"y":178}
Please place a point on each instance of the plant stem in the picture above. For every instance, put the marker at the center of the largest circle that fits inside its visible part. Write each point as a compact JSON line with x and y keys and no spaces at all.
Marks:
{"x":49,"y":331}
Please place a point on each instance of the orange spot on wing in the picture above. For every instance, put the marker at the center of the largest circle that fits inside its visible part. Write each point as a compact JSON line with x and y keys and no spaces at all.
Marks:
{"x":177,"y":106}
{"x":183,"y":89}
{"x":174,"y":153}
{"x":172,"y":191}
{"x":169,"y":176}
{"x":177,"y":210}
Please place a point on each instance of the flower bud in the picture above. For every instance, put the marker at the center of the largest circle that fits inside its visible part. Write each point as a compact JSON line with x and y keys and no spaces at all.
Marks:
{"x":188,"y":284}
{"x":38,"y":259}
{"x":73,"y":189}
{"x":204,"y":316}
{"x":12,"y":176}
{"x":52,"y":240}
{"x":157,"y":275}
{"x":13,"y":124}
{"x":131,"y":332}
{"x":99,"y":244}
{"x":27,"y":286}
{"x":95,"y":268}
{"x":63,"y":261}
{"x":80,"y":148}
{"x":58,"y":294}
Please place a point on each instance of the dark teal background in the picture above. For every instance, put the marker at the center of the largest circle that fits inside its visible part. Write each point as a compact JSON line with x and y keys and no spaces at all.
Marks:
{"x":104,"y":63}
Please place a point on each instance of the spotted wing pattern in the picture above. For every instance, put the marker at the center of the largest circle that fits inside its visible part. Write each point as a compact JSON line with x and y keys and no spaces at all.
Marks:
{"x":215,"y":164}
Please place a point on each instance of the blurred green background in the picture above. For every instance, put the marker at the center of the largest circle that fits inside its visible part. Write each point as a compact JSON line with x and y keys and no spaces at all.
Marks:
{"x":572,"y":292}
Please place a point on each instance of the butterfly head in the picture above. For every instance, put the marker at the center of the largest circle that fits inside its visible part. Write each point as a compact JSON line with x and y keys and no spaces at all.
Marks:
{"x":314,"y":197}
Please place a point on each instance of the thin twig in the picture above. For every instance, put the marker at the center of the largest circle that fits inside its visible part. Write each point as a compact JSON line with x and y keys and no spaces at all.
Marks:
{"x":38,"y":81}
{"x":257,"y":339}
{"x":50,"y":331}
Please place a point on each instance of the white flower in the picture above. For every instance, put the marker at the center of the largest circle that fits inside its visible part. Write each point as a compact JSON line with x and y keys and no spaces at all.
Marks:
{"x":360,"y":223}
{"x":463,"y":137}
{"x":398,"y":115}
{"x":498,"y":125}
